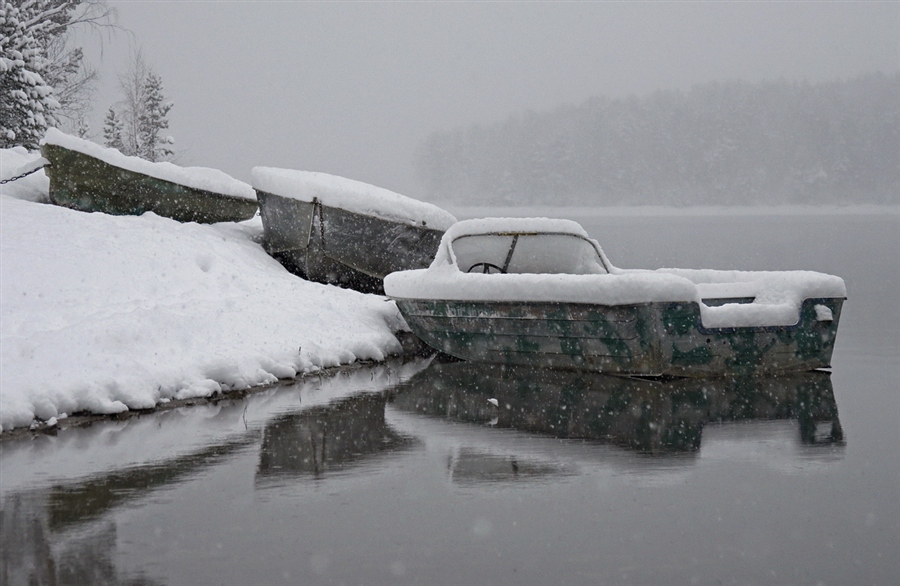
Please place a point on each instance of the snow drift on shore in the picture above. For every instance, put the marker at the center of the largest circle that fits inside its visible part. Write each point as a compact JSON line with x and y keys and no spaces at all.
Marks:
{"x":107,"y":313}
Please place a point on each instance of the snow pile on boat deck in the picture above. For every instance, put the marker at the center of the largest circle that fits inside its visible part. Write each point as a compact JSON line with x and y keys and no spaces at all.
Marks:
{"x":777,"y":295}
{"x":351,"y":195}
{"x":106,"y":313}
{"x":203,"y":178}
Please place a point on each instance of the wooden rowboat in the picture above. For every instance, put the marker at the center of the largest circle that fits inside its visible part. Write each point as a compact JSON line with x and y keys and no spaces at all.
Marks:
{"x":343,"y":232}
{"x":90,"y":178}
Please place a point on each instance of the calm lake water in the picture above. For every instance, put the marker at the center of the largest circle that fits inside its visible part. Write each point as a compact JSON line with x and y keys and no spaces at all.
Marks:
{"x":405,"y":473}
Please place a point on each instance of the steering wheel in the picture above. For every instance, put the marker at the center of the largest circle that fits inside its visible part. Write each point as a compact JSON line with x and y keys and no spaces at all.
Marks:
{"x":486,"y":268}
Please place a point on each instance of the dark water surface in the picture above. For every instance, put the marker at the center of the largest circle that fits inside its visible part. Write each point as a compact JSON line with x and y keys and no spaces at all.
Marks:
{"x":406,"y":473}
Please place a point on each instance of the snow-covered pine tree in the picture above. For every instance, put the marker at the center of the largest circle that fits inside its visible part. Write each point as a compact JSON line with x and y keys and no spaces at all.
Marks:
{"x":143,"y":112}
{"x":43,"y":80}
{"x":81,"y":128}
{"x":131,"y":83}
{"x":112,"y":130}
{"x":152,"y":121}
{"x":26,"y":100}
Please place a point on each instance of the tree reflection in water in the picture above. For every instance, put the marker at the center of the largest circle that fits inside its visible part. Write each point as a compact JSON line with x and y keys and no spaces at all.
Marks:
{"x":35,"y":551}
{"x":58,"y":535}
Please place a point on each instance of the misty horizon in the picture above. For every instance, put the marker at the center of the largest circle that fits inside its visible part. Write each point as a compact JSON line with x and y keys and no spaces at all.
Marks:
{"x":354,"y":89}
{"x":722,"y":143}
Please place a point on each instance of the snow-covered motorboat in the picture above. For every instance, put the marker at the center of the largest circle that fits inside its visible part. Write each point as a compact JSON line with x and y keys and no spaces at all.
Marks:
{"x":88,"y":177}
{"x":536,"y":291}
{"x":344,"y":232}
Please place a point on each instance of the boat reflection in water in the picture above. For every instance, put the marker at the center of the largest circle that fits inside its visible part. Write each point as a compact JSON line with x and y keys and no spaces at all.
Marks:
{"x":328,"y":439}
{"x":648,"y":416}
{"x":60,"y":523}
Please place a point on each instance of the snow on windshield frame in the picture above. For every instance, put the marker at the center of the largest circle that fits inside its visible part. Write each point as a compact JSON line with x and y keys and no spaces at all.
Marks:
{"x":604,"y":262}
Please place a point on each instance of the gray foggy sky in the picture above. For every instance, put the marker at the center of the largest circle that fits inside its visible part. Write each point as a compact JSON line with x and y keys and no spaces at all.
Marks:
{"x":352,"y":88}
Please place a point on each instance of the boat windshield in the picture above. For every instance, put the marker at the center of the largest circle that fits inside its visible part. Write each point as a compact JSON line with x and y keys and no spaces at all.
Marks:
{"x":544,"y":253}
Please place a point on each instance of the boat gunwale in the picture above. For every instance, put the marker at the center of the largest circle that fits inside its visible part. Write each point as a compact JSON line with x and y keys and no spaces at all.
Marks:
{"x":700,"y":328}
{"x":317,"y":202}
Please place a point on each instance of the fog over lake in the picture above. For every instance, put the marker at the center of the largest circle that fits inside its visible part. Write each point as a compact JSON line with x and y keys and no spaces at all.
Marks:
{"x":354,"y":89}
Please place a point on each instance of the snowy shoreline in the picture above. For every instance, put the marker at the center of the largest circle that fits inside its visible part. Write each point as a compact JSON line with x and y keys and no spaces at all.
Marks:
{"x":413,"y":350}
{"x":108,"y":314}
{"x":112,"y":313}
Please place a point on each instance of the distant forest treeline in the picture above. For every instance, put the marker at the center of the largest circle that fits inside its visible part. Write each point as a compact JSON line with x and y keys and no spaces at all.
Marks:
{"x":723,"y":143}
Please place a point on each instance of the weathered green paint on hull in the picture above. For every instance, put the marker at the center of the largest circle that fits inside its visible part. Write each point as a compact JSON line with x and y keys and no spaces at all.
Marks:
{"x":645,"y":339}
{"x":85,"y":183}
{"x":334,"y":246}
{"x":646,"y":415}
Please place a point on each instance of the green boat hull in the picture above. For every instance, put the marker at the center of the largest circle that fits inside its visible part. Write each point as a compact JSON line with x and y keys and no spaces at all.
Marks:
{"x":85,"y":183}
{"x":338,"y":247}
{"x":642,"y":339}
{"x":645,"y":415}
